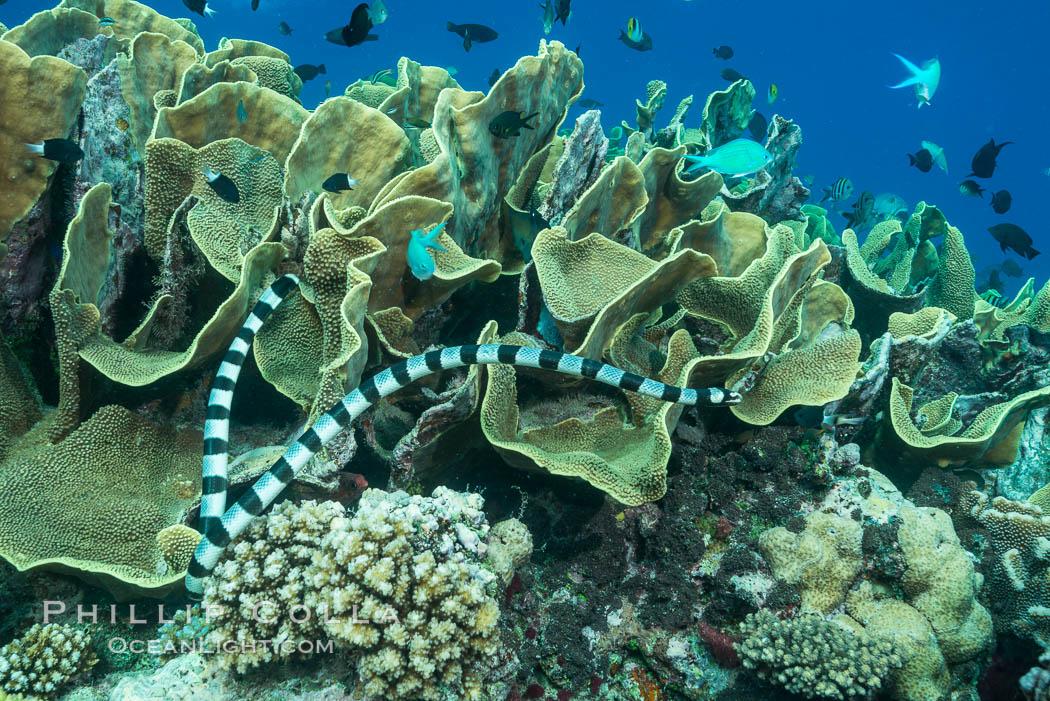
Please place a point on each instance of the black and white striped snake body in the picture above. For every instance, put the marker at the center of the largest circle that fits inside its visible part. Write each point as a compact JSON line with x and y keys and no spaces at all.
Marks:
{"x":221,"y":525}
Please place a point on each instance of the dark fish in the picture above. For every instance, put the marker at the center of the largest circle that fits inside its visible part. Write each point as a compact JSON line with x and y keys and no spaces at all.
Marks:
{"x":417,"y":122}
{"x":589,"y":104}
{"x":1011,"y":268}
{"x":356,"y":32}
{"x":336,"y":36}
{"x":724,"y":51}
{"x":921,"y":159}
{"x":1001,"y":202}
{"x":308,"y":71}
{"x":730,"y":75}
{"x":223,"y":186}
{"x":561,"y":7}
{"x":200,"y":7}
{"x":494,"y":76}
{"x":340,"y":182}
{"x":983,"y":163}
{"x":472,"y":33}
{"x":1015,"y":238}
{"x":255,"y":5}
{"x":971,"y":189}
{"x":643,"y":44}
{"x":577,"y":51}
{"x":60,"y":150}
{"x":758,"y":126}
{"x":284,"y":29}
{"x":509,"y":124}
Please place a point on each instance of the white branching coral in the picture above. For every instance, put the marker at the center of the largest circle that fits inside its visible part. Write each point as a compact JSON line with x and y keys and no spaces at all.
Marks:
{"x":401,"y":584}
{"x":254,"y":601}
{"x":45,"y":658}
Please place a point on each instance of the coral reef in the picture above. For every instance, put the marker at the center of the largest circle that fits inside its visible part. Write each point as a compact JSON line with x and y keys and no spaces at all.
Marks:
{"x":641,"y":548}
{"x":816,"y":658}
{"x":44,"y":659}
{"x":402,"y":585}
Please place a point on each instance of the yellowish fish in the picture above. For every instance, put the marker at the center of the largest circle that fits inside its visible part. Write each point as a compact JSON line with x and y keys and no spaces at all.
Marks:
{"x":771,"y":94}
{"x":634,"y":29}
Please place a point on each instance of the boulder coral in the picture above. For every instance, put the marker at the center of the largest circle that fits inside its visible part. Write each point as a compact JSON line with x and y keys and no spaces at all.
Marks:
{"x":925,"y":609}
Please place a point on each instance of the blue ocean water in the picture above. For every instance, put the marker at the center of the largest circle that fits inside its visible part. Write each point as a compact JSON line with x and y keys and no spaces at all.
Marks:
{"x":831,"y":60}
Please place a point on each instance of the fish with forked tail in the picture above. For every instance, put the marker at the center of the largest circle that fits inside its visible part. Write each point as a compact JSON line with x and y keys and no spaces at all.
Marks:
{"x":735,"y":158}
{"x":970,"y":188}
{"x":510,"y":123}
{"x":419,"y":260}
{"x":983,"y":163}
{"x":925,"y":78}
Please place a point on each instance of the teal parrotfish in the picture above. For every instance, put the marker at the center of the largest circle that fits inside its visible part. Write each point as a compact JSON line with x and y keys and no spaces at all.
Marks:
{"x":106,"y":22}
{"x":419,"y":260}
{"x":241,"y":114}
{"x":736,"y":157}
{"x":548,"y":16}
{"x":925,"y":79}
{"x":937,"y":152}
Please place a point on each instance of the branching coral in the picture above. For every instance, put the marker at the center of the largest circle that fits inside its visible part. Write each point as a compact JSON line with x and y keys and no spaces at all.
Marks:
{"x":814,"y":657}
{"x":399,"y":585}
{"x":44,"y":659}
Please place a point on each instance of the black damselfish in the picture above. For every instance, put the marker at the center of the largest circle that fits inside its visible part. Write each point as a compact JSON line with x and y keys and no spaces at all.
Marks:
{"x":356,"y":32}
{"x":509,"y":124}
{"x":61,"y":150}
{"x":223,"y":186}
{"x":339,"y":183}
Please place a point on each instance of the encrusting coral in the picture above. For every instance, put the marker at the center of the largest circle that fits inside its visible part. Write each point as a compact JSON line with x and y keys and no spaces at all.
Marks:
{"x":926,"y":608}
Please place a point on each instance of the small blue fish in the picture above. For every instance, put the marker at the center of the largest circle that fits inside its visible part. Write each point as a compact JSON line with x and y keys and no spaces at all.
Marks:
{"x":419,"y":260}
{"x":256,"y":159}
{"x":736,"y":157}
{"x":241,"y":114}
{"x":106,"y":22}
